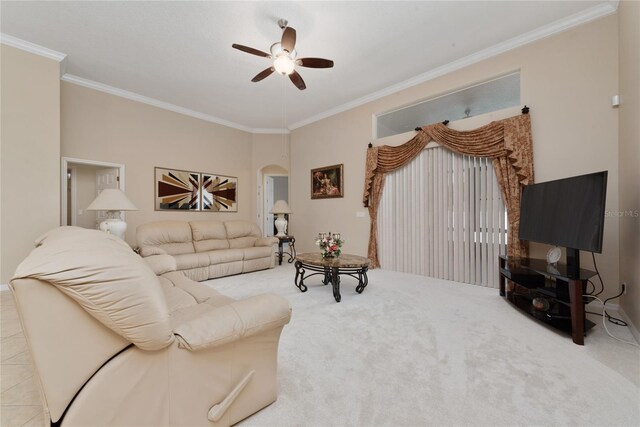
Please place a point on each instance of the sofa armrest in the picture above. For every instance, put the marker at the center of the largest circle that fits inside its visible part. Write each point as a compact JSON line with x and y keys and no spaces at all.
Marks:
{"x":266,"y":241}
{"x":240,"y":319}
{"x":161,"y":264}
{"x":146,"y":251}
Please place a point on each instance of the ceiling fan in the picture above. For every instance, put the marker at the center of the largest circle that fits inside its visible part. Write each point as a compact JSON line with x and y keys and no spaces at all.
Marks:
{"x":284,"y":57}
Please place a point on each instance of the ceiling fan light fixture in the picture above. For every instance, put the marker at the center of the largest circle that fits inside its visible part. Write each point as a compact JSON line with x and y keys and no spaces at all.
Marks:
{"x":285,"y":58}
{"x":284,"y":65}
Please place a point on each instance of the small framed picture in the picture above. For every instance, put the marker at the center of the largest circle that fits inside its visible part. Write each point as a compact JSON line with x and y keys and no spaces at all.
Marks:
{"x":327,"y":182}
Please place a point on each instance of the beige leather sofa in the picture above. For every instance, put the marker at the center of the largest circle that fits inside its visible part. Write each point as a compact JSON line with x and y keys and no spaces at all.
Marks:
{"x":208,"y":249}
{"x":120,"y":342}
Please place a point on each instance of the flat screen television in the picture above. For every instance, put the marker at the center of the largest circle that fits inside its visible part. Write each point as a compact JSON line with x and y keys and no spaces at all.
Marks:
{"x":566,"y":212}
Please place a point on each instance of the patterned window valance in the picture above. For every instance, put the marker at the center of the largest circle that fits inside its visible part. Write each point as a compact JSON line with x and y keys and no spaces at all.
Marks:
{"x":508,"y":142}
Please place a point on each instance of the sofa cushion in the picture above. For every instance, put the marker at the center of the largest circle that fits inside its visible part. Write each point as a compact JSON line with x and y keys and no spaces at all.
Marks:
{"x":225,"y":255}
{"x":242,"y":242}
{"x":174,"y":237}
{"x":187,"y":261}
{"x":110,"y":281}
{"x":210,"y":245}
{"x":266,"y":241}
{"x":237,"y":229}
{"x":257,"y":252}
{"x":209,"y":235}
{"x":205,"y":230}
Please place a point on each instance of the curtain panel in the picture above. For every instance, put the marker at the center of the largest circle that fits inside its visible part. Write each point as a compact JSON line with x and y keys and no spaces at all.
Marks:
{"x":507,"y":142}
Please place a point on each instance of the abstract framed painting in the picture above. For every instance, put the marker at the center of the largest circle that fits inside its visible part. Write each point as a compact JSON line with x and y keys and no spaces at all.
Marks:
{"x":177,"y":190}
{"x":327,"y":182}
{"x":219,"y":193}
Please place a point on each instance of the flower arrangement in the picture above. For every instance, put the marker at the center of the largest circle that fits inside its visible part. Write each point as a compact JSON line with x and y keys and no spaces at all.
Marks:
{"x":330,"y":244}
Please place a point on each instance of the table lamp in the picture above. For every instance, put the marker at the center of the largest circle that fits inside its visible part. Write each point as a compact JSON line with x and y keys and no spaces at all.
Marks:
{"x":112,"y":200}
{"x":280,"y":208}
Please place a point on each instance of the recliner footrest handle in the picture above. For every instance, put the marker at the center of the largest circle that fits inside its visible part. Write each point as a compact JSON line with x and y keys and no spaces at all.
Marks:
{"x":217,"y":411}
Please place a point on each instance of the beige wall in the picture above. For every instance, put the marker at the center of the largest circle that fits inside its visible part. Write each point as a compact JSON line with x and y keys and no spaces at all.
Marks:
{"x":103,"y":127}
{"x":567,"y":80}
{"x":629,"y":49}
{"x":30,"y":153}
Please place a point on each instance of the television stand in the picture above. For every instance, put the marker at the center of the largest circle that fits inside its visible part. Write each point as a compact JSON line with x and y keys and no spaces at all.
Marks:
{"x":547,"y":293}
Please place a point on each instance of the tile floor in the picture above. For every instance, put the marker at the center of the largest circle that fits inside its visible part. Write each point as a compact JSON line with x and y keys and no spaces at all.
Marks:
{"x":20,"y":402}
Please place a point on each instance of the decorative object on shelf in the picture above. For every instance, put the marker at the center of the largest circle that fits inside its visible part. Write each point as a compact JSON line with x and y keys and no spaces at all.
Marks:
{"x":195,"y":191}
{"x":553,"y":255}
{"x":112,"y":200}
{"x":280,"y":208}
{"x":540,"y":304}
{"x":327,"y":182}
{"x":330,"y":244}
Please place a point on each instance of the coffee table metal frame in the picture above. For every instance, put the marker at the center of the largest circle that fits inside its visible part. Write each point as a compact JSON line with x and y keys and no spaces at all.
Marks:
{"x":331,"y":274}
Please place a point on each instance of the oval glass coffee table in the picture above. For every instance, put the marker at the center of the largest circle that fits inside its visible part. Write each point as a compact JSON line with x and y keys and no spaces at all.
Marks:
{"x":331,"y":269}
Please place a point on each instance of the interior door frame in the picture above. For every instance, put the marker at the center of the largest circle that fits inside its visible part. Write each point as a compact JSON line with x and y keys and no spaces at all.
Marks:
{"x":264,"y":197}
{"x":65,"y":161}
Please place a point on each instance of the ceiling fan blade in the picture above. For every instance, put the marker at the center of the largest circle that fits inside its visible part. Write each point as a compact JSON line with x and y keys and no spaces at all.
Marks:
{"x":262,"y":74}
{"x":250,"y":50}
{"x":288,"y":41}
{"x":297,"y":80}
{"x":315,"y":62}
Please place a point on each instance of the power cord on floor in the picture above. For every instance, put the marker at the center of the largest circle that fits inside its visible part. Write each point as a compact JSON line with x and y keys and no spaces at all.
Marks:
{"x":604,"y":322}
{"x":610,"y":318}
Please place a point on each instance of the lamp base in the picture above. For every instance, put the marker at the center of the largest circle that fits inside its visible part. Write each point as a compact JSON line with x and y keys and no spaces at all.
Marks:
{"x":281,"y":225}
{"x":114,"y":225}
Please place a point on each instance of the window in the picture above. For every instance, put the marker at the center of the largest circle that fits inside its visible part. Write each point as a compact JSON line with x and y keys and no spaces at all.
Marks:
{"x":493,"y":95}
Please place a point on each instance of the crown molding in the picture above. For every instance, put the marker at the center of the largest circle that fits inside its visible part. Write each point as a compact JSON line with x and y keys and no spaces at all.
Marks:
{"x":591,"y":14}
{"x":45,"y":52}
{"x":272,"y":131}
{"x":32,"y":47}
{"x":161,"y":104}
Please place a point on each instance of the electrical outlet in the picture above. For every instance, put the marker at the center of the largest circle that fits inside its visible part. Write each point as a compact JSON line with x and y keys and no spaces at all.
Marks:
{"x":624,"y":288}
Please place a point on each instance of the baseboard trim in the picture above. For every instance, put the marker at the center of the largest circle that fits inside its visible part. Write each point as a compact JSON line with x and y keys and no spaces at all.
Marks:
{"x":632,"y":327}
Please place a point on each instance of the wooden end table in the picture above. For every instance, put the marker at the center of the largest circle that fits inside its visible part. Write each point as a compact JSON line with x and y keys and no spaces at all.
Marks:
{"x":292,"y":248}
{"x":331,"y":269}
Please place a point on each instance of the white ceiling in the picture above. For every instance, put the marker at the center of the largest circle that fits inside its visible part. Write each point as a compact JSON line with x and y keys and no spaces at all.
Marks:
{"x":179,"y":55}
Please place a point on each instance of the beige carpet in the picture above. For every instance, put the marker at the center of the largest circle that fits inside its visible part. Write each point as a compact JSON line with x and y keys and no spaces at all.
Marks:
{"x":417,"y":351}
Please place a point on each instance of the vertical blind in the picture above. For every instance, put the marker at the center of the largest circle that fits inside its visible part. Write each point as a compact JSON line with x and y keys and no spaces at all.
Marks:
{"x":442,"y":215}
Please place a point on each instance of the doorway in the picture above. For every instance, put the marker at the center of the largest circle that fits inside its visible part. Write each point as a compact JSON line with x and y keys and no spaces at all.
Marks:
{"x":82,"y":180}
{"x":276,"y":187}
{"x":273,"y":185}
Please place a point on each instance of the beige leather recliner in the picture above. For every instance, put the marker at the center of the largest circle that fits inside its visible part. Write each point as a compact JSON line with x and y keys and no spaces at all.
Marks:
{"x":113,"y":343}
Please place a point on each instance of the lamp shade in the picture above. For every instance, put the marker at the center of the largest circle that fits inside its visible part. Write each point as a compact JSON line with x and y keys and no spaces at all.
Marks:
{"x":280,"y":207}
{"x":112,"y":199}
